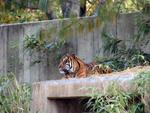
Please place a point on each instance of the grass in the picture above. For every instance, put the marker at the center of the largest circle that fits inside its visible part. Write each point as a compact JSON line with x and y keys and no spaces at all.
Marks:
{"x":115,"y":100}
{"x":14,"y":97}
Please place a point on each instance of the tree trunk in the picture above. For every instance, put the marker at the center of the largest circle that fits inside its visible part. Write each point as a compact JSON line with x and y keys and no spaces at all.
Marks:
{"x":82,"y":8}
{"x":70,"y":8}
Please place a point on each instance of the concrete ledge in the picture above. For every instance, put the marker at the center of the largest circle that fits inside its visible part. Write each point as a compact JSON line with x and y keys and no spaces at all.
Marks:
{"x":47,"y":95}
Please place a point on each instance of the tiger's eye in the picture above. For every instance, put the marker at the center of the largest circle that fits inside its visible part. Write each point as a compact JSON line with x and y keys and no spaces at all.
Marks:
{"x":65,"y":61}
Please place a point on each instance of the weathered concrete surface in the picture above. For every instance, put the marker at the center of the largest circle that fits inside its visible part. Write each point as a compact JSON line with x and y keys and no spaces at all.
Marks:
{"x":85,"y":41}
{"x":53,"y":96}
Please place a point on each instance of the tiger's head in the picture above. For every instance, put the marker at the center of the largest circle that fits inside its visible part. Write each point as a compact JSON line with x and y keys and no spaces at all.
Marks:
{"x":68,"y":64}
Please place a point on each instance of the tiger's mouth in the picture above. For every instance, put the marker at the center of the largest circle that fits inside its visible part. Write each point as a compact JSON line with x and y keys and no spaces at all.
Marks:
{"x":63,"y":71}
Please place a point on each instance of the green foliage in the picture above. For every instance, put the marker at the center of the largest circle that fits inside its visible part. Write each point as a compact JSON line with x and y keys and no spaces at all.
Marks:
{"x":44,"y":46}
{"x":143,"y":23}
{"x":17,"y":4}
{"x":51,"y":6}
{"x":123,"y":56}
{"x":40,"y":43}
{"x":14,"y":97}
{"x":43,"y":5}
{"x":21,"y":15}
{"x":115,"y":100}
{"x":33,"y":42}
{"x":16,"y":11}
{"x":109,"y":10}
{"x":122,"y":6}
{"x":129,"y":6}
{"x":142,"y":82}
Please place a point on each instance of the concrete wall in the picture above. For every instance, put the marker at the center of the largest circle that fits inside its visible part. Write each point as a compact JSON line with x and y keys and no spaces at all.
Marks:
{"x":86,"y":43}
{"x":50,"y":97}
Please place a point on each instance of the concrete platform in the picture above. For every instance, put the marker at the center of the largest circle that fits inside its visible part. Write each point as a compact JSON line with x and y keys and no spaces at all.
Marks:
{"x":62,"y":96}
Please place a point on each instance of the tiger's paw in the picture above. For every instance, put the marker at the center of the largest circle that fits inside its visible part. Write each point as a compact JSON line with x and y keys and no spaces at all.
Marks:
{"x":65,"y":77}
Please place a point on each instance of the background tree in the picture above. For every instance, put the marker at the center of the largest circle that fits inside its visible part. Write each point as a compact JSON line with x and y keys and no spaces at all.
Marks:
{"x":104,"y":9}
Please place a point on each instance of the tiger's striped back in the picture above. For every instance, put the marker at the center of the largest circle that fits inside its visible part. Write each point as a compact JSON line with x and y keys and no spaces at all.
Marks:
{"x":101,"y":69}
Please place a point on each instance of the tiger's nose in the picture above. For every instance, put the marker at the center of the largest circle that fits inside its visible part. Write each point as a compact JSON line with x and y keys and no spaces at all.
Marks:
{"x":65,"y":70}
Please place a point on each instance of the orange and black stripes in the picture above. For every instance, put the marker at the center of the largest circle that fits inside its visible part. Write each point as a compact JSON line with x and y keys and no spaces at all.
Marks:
{"x":72,"y":66}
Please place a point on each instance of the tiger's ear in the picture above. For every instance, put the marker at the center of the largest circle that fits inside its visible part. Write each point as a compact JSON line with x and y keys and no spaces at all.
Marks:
{"x":73,"y":55}
{"x":67,"y":54}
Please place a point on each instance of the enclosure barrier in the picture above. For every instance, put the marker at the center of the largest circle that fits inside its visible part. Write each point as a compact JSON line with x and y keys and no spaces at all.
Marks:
{"x":84,"y":42}
{"x":63,"y":96}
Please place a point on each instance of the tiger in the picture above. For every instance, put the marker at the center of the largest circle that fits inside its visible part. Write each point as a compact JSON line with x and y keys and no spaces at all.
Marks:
{"x":100,"y":69}
{"x":73,"y":67}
